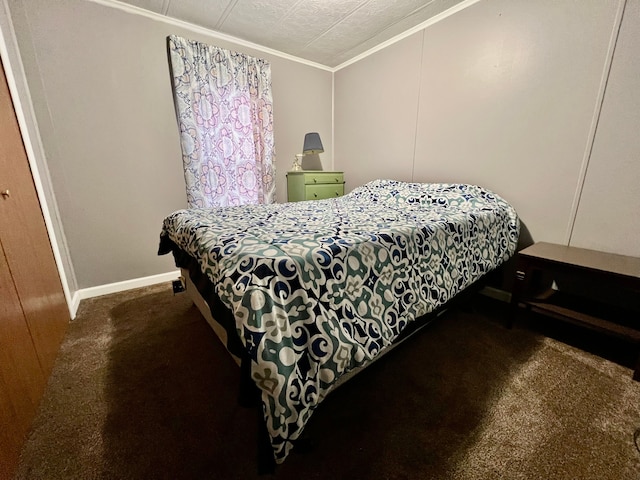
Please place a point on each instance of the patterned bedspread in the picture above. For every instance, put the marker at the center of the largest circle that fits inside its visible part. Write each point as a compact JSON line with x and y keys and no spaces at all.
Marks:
{"x":318,"y":288}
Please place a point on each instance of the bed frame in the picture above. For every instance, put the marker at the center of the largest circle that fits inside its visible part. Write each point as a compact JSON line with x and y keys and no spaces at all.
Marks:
{"x":200,"y":290}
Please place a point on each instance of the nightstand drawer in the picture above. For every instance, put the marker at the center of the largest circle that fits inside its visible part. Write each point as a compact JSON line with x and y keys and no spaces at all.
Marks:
{"x":319,"y":192}
{"x":316,"y":178}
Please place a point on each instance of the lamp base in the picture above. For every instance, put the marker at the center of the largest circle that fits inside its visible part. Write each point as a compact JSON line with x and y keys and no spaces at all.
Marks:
{"x":297,"y":163}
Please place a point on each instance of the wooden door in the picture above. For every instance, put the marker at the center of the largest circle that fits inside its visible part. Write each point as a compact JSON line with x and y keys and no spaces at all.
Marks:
{"x":33,"y":310}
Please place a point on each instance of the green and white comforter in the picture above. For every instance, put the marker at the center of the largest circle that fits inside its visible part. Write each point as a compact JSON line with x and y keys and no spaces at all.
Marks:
{"x":318,"y":288}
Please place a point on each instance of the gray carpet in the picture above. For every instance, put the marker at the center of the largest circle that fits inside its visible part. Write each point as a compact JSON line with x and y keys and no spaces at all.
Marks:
{"x":142,"y":389}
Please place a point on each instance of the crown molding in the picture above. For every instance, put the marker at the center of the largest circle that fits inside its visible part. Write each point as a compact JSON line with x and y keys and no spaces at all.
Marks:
{"x":427,"y":23}
{"x":213,"y":33}
{"x":158,"y":17}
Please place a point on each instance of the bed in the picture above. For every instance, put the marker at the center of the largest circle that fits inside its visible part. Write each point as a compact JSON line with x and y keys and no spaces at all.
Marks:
{"x":306,"y":293}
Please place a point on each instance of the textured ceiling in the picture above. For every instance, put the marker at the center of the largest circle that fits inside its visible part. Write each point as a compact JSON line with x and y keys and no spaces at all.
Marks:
{"x":328,"y":32}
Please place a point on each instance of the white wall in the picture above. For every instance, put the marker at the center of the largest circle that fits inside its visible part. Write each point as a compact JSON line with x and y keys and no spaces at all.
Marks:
{"x":608,"y":217}
{"x":100,"y":85}
{"x":506,"y":96}
{"x":375,"y":114}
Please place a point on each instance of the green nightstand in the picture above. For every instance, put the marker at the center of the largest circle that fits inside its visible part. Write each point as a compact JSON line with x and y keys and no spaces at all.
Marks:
{"x":314,"y":185}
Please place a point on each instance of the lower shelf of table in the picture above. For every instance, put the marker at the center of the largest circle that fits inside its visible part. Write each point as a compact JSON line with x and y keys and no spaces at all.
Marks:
{"x":609,"y":319}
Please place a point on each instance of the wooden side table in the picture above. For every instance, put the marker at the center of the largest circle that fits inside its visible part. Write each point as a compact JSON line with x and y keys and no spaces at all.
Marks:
{"x":594,"y":269}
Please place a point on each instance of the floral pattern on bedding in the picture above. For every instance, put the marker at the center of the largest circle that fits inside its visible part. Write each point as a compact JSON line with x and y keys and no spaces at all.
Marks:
{"x":318,"y":288}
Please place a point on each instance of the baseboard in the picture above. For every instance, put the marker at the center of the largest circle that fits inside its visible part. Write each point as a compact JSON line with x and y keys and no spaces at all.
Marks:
{"x":91,"y":292}
{"x":75,"y":303}
{"x":100,"y":290}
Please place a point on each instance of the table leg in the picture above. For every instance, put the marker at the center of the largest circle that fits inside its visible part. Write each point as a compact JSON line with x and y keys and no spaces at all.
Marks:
{"x":520,"y":286}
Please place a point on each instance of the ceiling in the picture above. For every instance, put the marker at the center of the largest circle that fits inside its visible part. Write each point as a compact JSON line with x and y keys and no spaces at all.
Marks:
{"x":327,"y":32}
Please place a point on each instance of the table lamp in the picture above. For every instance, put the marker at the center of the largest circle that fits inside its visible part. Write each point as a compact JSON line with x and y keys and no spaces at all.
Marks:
{"x":312,"y":145}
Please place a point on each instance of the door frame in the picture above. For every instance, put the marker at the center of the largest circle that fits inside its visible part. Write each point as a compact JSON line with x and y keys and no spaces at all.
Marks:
{"x":19,"y":90}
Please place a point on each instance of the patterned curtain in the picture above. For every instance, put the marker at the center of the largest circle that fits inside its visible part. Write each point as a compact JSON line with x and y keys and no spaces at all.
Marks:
{"x":224,"y":108}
